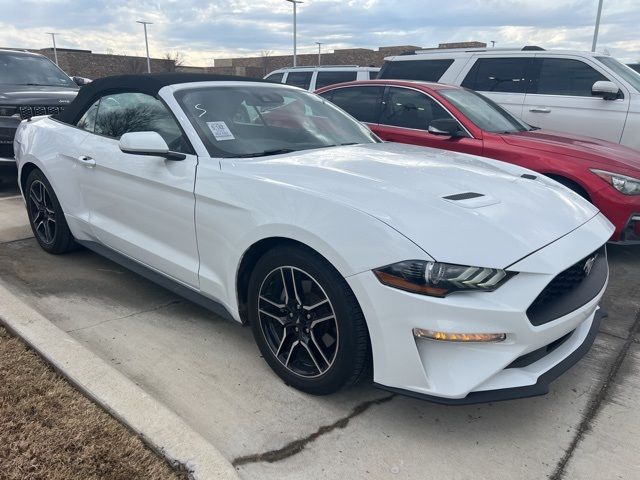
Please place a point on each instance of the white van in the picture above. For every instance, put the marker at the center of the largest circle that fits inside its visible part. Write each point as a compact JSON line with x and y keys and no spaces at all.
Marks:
{"x":312,"y":78}
{"x":582,"y":93}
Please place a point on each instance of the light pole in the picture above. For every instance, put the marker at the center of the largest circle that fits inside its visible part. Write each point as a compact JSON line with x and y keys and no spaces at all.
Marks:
{"x":146,"y":42}
{"x":319,"y":52}
{"x":55,"y":50}
{"x":595,"y":31}
{"x":493,"y":44}
{"x":295,"y":32}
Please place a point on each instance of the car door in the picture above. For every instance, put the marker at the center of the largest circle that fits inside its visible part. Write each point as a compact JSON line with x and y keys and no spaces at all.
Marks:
{"x":363,"y":102}
{"x":141,"y":206}
{"x":406,"y":116}
{"x":559,"y":98}
{"x":502,"y":79}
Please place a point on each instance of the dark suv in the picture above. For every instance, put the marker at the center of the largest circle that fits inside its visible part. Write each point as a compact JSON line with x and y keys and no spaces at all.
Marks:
{"x":30,"y":84}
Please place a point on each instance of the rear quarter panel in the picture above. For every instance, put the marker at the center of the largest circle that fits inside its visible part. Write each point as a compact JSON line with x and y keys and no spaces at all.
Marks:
{"x":52,"y":147}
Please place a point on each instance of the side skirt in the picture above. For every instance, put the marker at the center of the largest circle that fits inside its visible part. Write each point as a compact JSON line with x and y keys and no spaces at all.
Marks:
{"x":159,"y":279}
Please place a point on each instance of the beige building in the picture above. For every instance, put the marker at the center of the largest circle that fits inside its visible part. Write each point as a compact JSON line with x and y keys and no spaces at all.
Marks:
{"x":85,"y":63}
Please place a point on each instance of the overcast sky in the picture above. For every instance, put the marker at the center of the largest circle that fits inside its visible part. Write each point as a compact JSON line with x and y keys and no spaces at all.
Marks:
{"x":203,"y":30}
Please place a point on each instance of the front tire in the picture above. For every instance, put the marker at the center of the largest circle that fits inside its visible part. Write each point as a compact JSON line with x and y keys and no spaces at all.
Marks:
{"x":46,"y":217}
{"x":307,"y":321}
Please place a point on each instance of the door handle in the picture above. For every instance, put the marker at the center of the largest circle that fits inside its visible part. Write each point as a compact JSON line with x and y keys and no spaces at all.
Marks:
{"x":540,"y":109}
{"x":86,"y":161}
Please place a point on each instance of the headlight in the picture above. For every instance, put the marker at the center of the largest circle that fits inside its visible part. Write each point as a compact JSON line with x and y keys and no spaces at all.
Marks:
{"x":8,"y":111}
{"x":622,"y":183}
{"x":440,"y":279}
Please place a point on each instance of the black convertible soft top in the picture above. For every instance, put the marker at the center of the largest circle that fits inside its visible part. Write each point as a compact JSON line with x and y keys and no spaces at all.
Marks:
{"x":149,"y":83}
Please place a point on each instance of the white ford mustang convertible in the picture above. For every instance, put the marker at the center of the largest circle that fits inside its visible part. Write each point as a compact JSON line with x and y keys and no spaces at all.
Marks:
{"x":455,"y":278}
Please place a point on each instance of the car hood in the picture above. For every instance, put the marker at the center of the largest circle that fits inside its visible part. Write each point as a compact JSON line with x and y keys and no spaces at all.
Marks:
{"x":36,"y":95}
{"x":589,"y":149}
{"x":404,"y":186}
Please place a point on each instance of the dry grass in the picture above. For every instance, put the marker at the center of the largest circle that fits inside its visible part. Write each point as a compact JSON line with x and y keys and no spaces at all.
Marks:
{"x":48,"y":430}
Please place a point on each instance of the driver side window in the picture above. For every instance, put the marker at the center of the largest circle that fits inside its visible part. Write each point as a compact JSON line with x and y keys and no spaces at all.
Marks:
{"x":411,"y":109}
{"x":122,"y":113}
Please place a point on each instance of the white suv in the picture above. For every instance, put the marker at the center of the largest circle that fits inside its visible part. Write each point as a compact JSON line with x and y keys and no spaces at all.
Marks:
{"x":312,"y":78}
{"x":576,"y":92}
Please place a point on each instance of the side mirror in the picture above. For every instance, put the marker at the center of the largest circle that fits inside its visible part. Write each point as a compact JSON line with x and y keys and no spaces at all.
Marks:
{"x":148,"y":143}
{"x":81,"y":81}
{"x":606,"y":90}
{"x":447,"y":127}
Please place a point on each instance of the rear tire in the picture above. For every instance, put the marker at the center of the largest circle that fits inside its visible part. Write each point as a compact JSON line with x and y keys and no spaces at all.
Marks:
{"x":46,"y":217}
{"x":312,"y":333}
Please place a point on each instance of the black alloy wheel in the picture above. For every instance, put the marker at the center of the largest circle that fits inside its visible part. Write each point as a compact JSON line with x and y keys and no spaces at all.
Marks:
{"x":306,"y":321}
{"x":46,"y":217}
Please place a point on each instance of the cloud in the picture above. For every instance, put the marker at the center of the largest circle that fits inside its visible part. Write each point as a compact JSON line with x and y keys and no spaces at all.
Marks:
{"x":204,"y":30}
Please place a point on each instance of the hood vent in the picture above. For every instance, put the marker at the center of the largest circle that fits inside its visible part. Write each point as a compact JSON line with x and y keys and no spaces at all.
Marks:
{"x":463,"y":196}
{"x":471,"y":199}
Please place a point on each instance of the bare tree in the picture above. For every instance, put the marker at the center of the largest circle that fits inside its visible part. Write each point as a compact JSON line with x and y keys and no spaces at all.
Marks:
{"x":177,"y":59}
{"x":265,"y":54}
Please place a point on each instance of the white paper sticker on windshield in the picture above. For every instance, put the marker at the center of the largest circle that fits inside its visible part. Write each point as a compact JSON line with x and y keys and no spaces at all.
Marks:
{"x":220,"y":131}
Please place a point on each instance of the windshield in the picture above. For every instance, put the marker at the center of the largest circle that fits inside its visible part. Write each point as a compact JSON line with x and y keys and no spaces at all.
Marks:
{"x":628,"y":74}
{"x":259,"y":120}
{"x":17,"y":69}
{"x":485,"y":113}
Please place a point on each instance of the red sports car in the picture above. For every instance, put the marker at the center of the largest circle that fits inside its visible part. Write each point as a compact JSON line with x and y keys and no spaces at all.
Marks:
{"x":454,"y":118}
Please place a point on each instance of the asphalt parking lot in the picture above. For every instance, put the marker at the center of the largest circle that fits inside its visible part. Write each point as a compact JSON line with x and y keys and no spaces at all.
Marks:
{"x":209,"y":372}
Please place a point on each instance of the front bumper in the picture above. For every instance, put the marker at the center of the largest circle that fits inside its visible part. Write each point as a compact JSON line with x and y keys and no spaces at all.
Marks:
{"x":623,"y":211}
{"x":459,"y":373}
{"x":8,"y":126}
{"x":541,"y":387}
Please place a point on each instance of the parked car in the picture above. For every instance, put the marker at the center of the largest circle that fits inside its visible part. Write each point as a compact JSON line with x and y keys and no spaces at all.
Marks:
{"x":583,"y":93}
{"x":635,"y":66}
{"x":455,"y":118}
{"x":312,"y":78}
{"x":462,"y":279}
{"x":30,"y":84}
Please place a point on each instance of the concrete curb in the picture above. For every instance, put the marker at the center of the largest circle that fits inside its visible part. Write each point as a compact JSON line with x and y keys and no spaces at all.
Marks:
{"x":159,"y":427}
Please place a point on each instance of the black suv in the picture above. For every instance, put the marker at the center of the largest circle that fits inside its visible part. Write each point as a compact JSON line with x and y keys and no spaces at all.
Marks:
{"x":30,"y":84}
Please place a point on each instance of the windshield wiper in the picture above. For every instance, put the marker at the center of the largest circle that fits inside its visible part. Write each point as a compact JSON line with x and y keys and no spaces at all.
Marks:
{"x":43,"y":85}
{"x":276,"y":151}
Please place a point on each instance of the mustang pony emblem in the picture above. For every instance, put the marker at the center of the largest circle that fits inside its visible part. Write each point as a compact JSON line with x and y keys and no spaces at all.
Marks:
{"x":588,"y":265}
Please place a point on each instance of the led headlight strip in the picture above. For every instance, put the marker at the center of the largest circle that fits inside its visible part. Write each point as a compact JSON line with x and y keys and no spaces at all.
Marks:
{"x":440,"y":279}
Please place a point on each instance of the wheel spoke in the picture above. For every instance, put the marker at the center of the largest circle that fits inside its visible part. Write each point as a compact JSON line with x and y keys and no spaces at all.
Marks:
{"x":278,"y":319}
{"x":34,"y":199}
{"x":295,"y":287}
{"x":47,"y":231}
{"x":306,"y":347}
{"x":284,"y":337}
{"x":315,"y":342}
{"x":319,"y":320}
{"x":293,"y":345}
{"x":316,"y":305}
{"x":284,"y":286}
{"x":277,"y":305}
{"x":42,"y":193}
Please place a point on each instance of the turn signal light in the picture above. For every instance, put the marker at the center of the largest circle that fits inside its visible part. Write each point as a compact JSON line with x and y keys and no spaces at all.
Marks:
{"x":459,"y":337}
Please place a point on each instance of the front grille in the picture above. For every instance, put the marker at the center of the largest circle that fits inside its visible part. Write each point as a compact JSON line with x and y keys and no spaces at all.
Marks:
{"x":571,"y":289}
{"x":28,"y":111}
